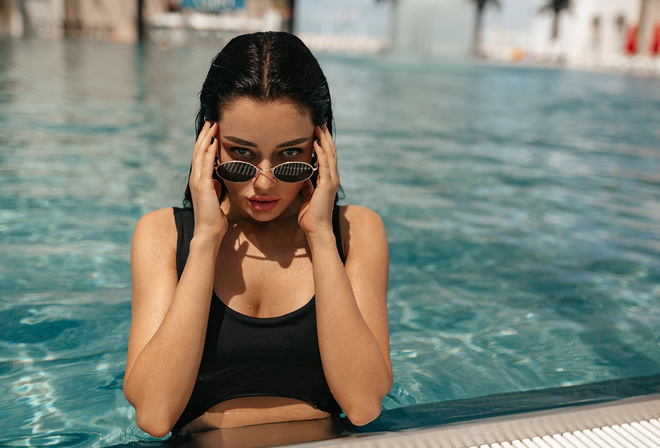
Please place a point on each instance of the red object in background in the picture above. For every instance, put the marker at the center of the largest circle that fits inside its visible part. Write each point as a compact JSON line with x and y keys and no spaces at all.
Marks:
{"x":655,"y":43}
{"x":631,"y":40}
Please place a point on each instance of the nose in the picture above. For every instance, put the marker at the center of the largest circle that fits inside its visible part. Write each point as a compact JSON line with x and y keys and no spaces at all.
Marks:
{"x":264,"y":178}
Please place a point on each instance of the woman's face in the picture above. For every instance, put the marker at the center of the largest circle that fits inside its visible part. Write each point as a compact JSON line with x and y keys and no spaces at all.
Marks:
{"x":265,"y":135}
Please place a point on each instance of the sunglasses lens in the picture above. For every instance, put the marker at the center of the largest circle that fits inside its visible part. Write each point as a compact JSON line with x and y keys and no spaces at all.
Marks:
{"x":293,"y":172}
{"x":236,"y":171}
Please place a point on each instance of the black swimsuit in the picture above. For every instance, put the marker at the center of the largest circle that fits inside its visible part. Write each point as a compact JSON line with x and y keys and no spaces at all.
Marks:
{"x":246,"y":356}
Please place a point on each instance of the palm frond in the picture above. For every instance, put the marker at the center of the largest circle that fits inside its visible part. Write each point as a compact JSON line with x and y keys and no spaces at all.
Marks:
{"x":556,"y":6}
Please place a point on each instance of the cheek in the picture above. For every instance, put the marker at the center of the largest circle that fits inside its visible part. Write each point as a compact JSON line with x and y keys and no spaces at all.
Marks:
{"x":294,"y":189}
{"x":289,"y":192}
{"x":234,"y":189}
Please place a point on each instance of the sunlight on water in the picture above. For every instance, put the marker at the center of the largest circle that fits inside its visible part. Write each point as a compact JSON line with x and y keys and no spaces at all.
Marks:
{"x":522,"y":209}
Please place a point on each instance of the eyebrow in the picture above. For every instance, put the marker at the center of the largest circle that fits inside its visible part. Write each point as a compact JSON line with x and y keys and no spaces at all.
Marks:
{"x":240,"y":141}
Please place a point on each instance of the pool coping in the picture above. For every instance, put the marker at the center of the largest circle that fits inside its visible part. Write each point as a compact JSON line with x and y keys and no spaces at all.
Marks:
{"x":526,"y":425}
{"x":460,"y":411}
{"x":419,"y":424}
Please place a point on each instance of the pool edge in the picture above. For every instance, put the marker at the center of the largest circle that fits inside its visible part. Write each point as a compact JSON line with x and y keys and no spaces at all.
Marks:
{"x":526,"y":425}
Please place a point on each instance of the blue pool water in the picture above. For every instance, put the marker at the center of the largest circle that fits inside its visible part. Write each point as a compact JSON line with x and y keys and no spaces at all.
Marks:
{"x":522,"y":207}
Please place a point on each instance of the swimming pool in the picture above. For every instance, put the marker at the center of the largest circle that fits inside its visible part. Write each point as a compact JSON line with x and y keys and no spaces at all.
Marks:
{"x":522,"y":208}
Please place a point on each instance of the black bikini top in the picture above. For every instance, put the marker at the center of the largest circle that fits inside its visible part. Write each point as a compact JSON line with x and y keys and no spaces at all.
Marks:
{"x":246,"y":356}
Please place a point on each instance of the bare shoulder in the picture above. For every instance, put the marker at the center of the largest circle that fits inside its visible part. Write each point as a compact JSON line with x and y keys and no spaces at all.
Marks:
{"x":153,"y":256}
{"x":361,"y":228}
{"x":160,"y":219}
{"x":157,"y":221}
{"x":360,"y":219}
{"x":155,"y":231}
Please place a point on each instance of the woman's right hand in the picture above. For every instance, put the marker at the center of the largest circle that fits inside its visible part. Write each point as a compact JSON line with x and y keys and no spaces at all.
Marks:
{"x":210,"y":220}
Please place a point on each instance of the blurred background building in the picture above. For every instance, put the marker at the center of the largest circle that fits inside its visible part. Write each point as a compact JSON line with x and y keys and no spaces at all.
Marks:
{"x":583,"y":33}
{"x":124,"y":21}
{"x":575,"y":33}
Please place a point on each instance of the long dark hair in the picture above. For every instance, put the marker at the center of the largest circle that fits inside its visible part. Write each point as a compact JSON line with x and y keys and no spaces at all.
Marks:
{"x":265,"y":67}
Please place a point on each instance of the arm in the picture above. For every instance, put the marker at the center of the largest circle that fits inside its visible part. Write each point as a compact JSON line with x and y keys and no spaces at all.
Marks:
{"x":170,"y":315}
{"x":351,"y":308}
{"x":168,"y":326}
{"x":352,"y":314}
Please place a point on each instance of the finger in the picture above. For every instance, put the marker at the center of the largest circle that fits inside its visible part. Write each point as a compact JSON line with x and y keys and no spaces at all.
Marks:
{"x":200,"y":145}
{"x":324,"y":144}
{"x":327,"y":141}
{"x":328,"y":159}
{"x":204,"y":131}
{"x":211,"y":153}
{"x":205,"y":150}
{"x":318,"y":132}
{"x":328,"y":134}
{"x":321,"y":156}
{"x":204,"y":138}
{"x":207,"y":134}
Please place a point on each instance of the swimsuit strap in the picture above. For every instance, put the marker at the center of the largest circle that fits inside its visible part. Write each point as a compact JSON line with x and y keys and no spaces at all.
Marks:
{"x":336,"y":229}
{"x":185,"y":226}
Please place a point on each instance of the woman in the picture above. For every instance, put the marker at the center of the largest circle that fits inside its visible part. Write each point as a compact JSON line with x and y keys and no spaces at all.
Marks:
{"x":223,"y":332}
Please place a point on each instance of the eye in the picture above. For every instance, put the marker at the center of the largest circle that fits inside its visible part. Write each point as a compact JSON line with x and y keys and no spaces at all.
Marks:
{"x":239,"y":152}
{"x":291,"y":152}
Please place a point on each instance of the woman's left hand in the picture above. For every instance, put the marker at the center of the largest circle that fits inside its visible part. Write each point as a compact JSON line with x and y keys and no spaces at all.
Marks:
{"x":316,"y":211}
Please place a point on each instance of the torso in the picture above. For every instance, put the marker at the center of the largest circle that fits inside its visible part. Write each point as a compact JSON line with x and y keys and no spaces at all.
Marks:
{"x":261,"y":277}
{"x":248,"y":411}
{"x":264,"y":276}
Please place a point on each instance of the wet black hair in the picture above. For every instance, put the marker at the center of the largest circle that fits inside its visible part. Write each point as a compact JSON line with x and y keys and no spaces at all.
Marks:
{"x":265,"y":67}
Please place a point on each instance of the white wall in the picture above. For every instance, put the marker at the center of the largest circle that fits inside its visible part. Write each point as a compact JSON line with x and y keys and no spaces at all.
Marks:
{"x":580,"y":42}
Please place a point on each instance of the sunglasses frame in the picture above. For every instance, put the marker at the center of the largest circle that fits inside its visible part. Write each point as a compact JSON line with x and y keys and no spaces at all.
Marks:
{"x":258,"y":170}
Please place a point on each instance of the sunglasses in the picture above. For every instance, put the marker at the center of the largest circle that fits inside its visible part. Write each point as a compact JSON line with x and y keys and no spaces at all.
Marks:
{"x":290,"y":172}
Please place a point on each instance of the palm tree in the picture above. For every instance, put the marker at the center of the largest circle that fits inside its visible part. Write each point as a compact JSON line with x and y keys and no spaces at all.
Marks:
{"x":478,"y":23}
{"x":556,"y":6}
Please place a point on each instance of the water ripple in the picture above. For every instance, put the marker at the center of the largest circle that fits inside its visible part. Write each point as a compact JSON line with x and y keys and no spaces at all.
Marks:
{"x":522,"y":209}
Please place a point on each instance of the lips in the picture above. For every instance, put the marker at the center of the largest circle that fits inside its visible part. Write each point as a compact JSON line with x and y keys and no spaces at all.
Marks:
{"x":263,"y":203}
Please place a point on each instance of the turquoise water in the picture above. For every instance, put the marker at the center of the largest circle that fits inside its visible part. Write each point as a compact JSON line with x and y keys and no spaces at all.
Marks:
{"x":522,"y":208}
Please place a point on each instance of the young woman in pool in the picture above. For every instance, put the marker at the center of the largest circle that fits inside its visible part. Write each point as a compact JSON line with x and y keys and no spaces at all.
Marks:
{"x":262,"y":301}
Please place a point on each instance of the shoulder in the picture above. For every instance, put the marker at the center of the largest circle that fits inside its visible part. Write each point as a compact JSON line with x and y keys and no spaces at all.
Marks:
{"x":361,"y":227}
{"x":156,"y":221}
{"x":361,"y":219}
{"x":156,"y":229}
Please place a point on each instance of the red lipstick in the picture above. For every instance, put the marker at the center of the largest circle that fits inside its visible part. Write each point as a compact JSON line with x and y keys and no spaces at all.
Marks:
{"x":263,"y":203}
